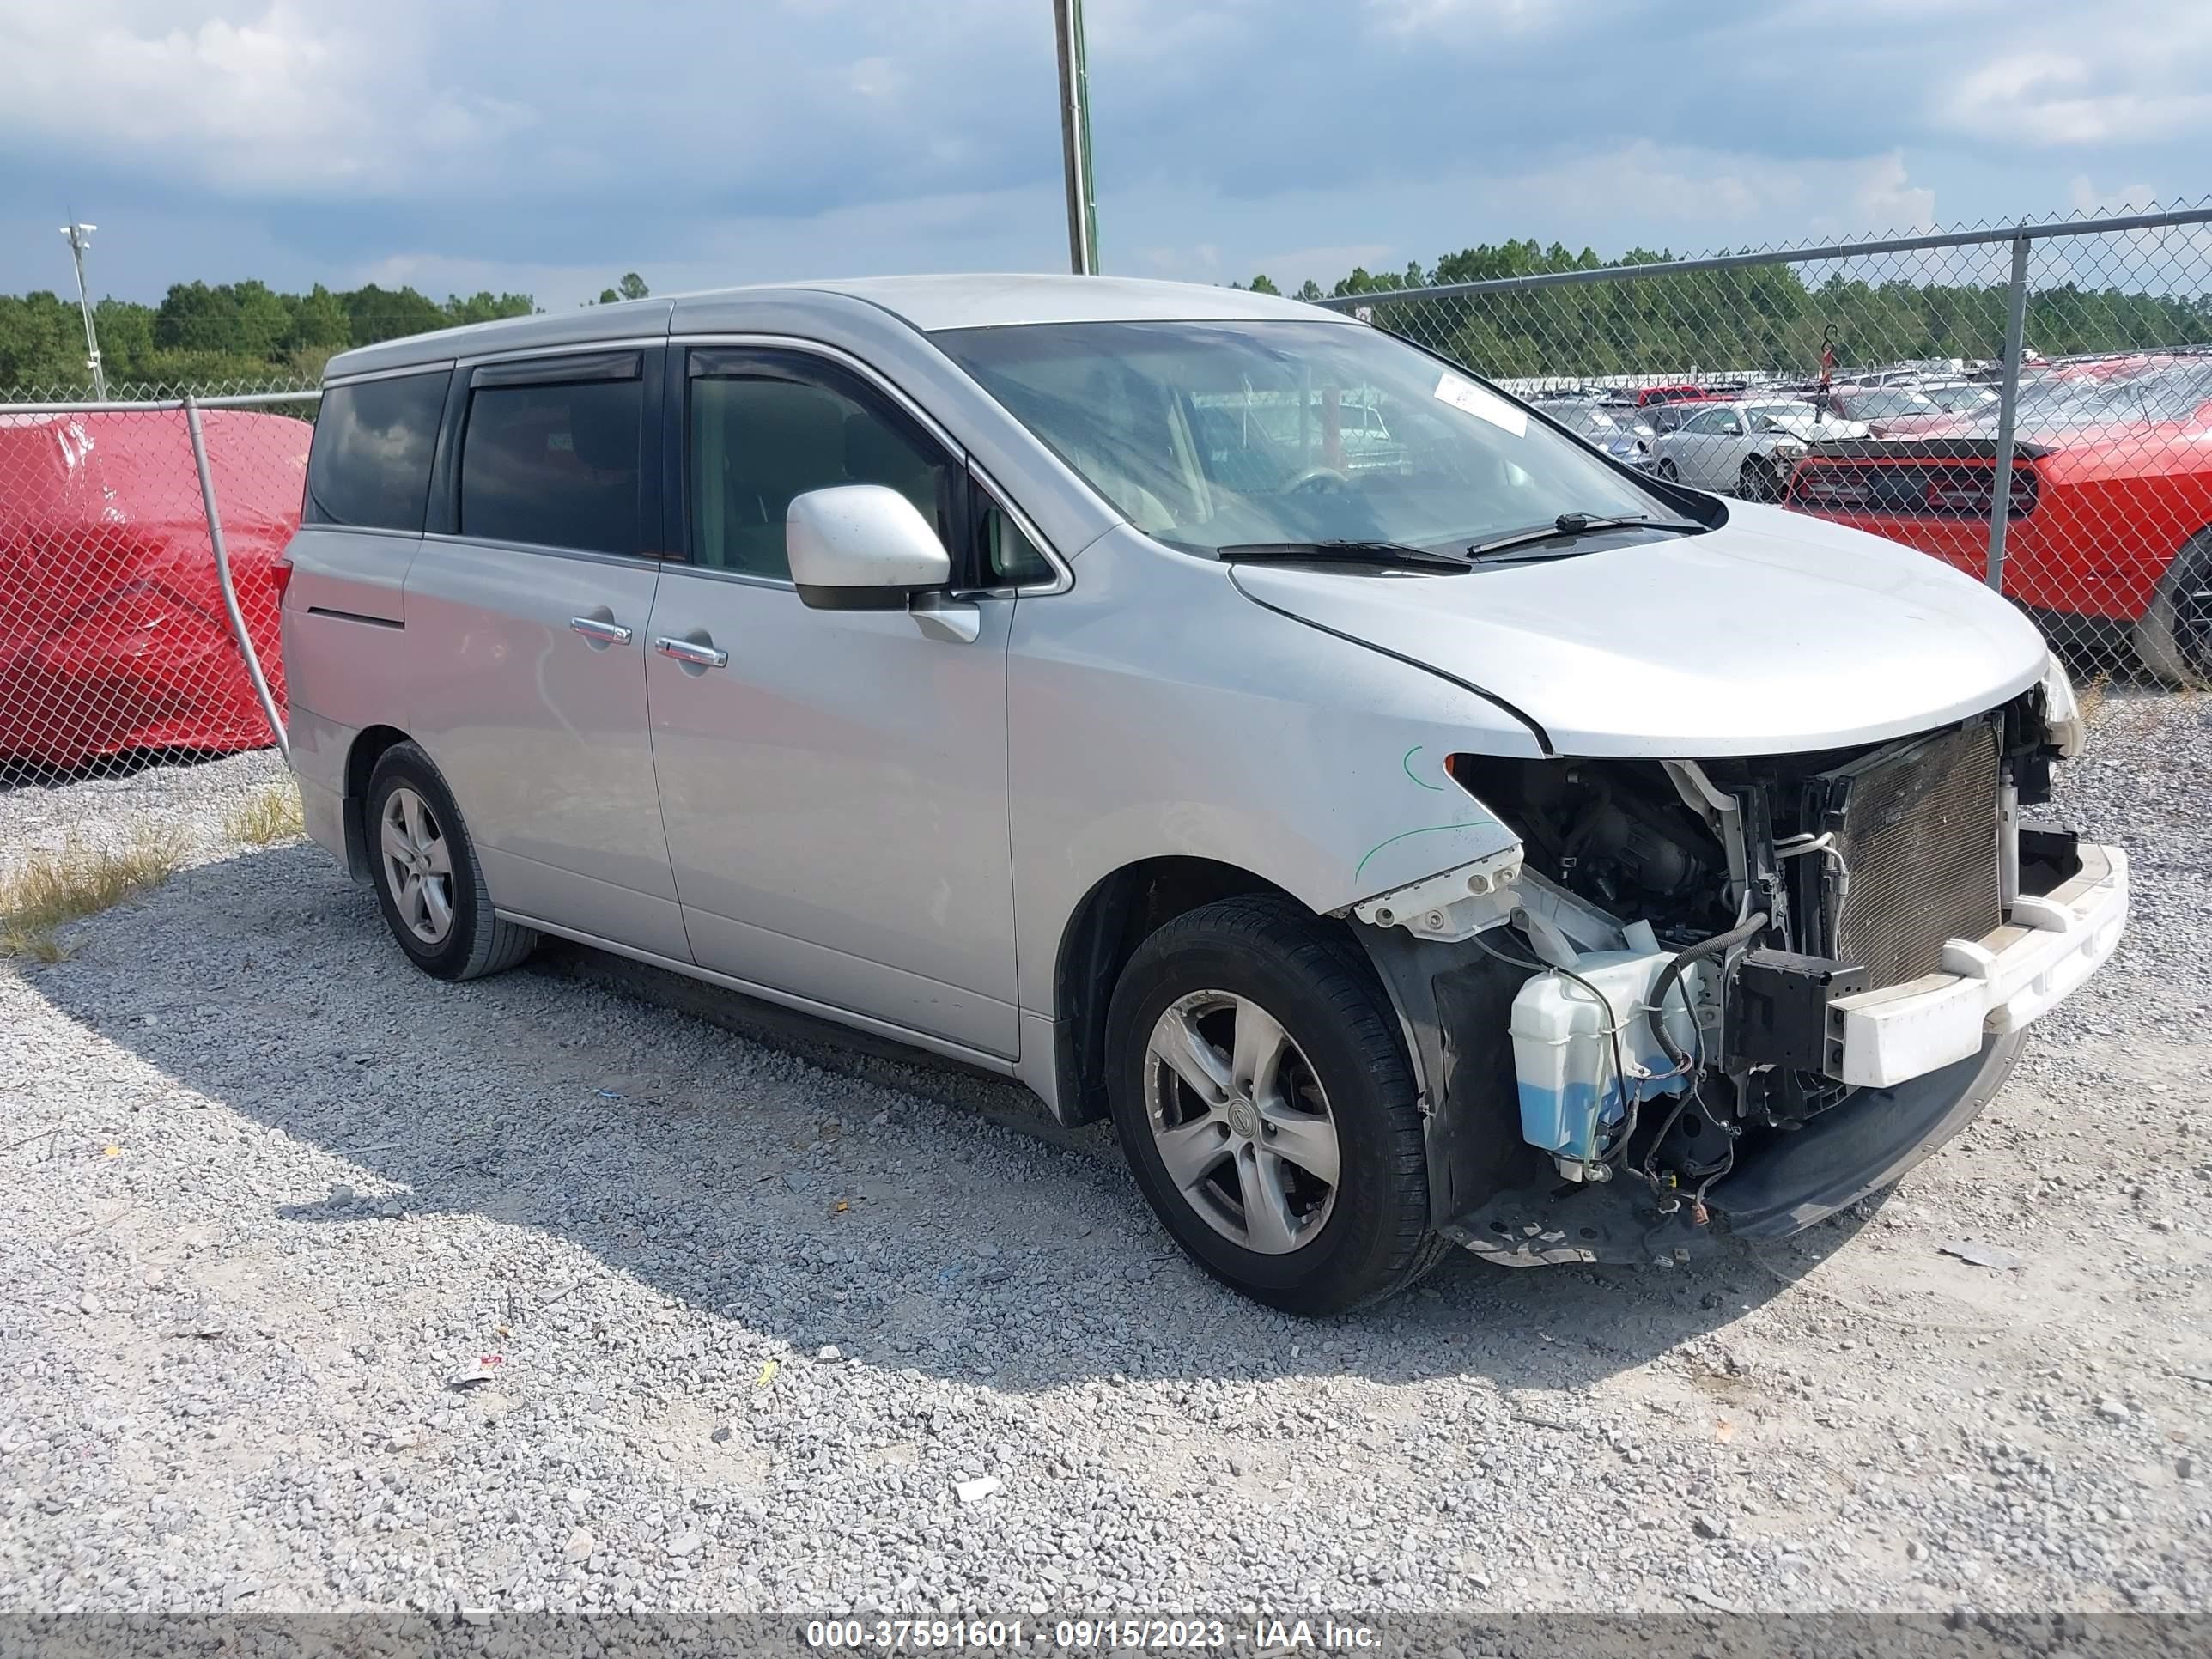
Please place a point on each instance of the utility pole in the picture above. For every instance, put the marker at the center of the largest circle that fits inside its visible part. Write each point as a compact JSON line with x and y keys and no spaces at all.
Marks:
{"x":1075,"y":137}
{"x":79,"y":238}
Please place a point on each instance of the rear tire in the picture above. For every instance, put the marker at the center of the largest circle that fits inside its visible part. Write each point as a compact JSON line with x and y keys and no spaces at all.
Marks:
{"x":1288,"y":1069}
{"x":428,"y":881}
{"x":2174,"y":638}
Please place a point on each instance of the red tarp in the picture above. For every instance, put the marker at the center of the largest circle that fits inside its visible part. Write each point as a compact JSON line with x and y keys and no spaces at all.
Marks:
{"x":113,"y":634}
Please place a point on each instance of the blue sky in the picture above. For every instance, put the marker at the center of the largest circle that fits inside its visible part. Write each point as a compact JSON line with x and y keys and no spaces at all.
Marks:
{"x":550,"y":146}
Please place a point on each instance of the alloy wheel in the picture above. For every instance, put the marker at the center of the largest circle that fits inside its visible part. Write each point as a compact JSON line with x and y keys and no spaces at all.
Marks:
{"x":1241,"y":1124}
{"x":419,"y":864}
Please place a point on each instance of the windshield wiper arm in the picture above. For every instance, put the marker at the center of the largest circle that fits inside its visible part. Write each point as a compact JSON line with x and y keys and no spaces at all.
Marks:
{"x":1383,"y":555}
{"x":1568,"y":526}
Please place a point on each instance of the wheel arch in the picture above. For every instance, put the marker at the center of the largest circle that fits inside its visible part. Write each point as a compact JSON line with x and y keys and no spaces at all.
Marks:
{"x":1121,"y":910}
{"x":369,"y":746}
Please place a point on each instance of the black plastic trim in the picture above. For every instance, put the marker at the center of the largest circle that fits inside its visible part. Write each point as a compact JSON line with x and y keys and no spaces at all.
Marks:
{"x":561,"y":371}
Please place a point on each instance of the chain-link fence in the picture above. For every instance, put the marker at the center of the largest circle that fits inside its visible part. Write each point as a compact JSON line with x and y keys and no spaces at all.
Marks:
{"x":140,"y":577}
{"x":1889,"y":385}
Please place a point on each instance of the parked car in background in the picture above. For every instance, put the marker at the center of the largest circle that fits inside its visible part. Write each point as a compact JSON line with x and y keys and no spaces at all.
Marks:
{"x":2110,"y":502}
{"x":1895,"y":411}
{"x":1603,"y":427}
{"x":1745,"y":449}
{"x":1643,"y":397}
{"x":1400,"y":857}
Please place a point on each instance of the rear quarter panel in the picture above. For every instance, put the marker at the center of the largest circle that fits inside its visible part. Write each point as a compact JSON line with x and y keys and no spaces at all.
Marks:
{"x":346,"y":642}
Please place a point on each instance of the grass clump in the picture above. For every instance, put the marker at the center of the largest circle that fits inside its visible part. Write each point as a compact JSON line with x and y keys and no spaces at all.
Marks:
{"x":48,"y":891}
{"x":266,"y":816}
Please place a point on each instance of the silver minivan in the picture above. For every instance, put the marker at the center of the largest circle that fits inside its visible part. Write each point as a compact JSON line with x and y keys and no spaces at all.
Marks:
{"x":1464,"y":841}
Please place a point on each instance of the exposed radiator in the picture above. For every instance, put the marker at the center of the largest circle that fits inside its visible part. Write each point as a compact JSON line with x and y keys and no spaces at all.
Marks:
{"x":1917,"y":830}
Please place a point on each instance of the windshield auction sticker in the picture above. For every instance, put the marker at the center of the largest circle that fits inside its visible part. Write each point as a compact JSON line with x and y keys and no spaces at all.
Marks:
{"x":1476,"y":400}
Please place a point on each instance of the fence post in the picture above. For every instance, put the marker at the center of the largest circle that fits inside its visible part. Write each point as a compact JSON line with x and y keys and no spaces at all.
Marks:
{"x":222,"y":579}
{"x":2008,"y":411}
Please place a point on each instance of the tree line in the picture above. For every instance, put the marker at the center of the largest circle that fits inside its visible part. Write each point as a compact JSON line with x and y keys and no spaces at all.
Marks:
{"x":1768,"y":317}
{"x":204,"y":333}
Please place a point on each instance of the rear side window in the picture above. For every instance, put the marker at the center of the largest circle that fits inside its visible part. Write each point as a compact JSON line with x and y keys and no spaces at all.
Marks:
{"x":553,"y":464}
{"x":368,"y":467}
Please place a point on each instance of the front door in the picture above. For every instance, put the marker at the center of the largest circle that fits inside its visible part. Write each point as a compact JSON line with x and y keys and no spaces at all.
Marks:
{"x":833,"y":782}
{"x":527,"y":615}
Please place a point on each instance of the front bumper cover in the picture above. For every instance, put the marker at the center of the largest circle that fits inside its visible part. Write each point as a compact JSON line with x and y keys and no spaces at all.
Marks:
{"x":1986,"y":988}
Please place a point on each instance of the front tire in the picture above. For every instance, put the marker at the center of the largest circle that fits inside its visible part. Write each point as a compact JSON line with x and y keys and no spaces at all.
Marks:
{"x":1667,"y":470}
{"x":1266,"y":1107}
{"x":2174,"y":638}
{"x":428,"y":884}
{"x":1756,"y":481}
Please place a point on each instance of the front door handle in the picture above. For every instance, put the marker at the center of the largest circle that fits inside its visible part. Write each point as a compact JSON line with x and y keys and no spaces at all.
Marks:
{"x":692,"y":652}
{"x":600,"y":631}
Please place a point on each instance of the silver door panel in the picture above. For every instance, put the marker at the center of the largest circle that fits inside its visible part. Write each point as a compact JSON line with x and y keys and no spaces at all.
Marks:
{"x":540,"y":728}
{"x":835,"y":796}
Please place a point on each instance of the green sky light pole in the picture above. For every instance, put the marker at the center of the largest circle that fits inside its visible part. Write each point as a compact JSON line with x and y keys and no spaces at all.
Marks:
{"x":1075,"y":137}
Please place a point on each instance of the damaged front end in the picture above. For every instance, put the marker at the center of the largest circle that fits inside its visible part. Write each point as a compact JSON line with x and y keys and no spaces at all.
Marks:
{"x":1752,"y":990}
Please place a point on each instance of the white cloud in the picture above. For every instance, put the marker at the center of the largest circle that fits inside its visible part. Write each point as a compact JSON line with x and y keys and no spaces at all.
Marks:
{"x":2084,"y":197}
{"x":1723,"y":193}
{"x":561,"y":141}
{"x":1405,"y":17}
{"x":279,"y":97}
{"x":1883,"y":198}
{"x":2121,"y":77}
{"x":876,"y":78}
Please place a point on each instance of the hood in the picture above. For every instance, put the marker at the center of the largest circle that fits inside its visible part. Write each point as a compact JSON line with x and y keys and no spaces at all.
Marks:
{"x":1823,"y":428}
{"x":1774,"y":633}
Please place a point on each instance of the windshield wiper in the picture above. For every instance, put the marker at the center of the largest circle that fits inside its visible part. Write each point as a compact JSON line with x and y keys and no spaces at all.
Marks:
{"x":1382,"y":555}
{"x":1568,"y":526}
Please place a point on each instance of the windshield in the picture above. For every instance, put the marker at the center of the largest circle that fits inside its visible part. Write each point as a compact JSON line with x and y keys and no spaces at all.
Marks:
{"x":1872,"y":404}
{"x":1960,"y":396}
{"x":1213,"y":435}
{"x":1582,"y":418}
{"x":1788,"y":414}
{"x":2162,"y":392}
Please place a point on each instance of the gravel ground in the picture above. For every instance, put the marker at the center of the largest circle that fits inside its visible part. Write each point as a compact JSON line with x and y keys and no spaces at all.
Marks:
{"x":326,"y":1286}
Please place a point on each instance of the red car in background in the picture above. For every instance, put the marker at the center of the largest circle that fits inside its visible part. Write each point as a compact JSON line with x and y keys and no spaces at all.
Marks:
{"x":2109,"y":501}
{"x":112,"y":633}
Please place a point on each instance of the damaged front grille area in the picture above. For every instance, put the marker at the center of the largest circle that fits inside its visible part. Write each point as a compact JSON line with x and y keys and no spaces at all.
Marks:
{"x":1915,"y":852}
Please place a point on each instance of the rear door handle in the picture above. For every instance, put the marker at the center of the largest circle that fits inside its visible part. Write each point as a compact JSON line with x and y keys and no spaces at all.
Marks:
{"x":601,"y":632}
{"x":693,"y":653}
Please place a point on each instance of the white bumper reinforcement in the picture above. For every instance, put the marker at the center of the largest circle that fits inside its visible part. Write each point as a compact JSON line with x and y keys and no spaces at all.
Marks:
{"x":1986,"y":986}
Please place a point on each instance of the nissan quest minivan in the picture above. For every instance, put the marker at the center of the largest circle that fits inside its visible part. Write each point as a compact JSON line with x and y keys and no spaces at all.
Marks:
{"x":1463,"y":839}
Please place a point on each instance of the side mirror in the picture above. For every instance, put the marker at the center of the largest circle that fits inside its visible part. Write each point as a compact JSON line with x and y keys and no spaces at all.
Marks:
{"x":861,"y":547}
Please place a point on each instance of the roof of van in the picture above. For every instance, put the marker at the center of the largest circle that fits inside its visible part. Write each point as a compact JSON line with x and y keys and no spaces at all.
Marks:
{"x":926,"y":303}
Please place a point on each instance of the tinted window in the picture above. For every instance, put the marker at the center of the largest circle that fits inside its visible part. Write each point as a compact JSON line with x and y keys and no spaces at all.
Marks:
{"x":756,"y":441}
{"x":554,"y":465}
{"x":369,"y":465}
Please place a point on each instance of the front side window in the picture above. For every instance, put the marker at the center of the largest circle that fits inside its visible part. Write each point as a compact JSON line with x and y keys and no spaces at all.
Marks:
{"x":1212,"y":435}
{"x":554,"y":465}
{"x":760,"y":434}
{"x":368,"y":466}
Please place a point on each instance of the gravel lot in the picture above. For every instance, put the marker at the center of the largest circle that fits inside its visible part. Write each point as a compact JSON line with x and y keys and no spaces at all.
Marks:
{"x":322,"y":1284}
